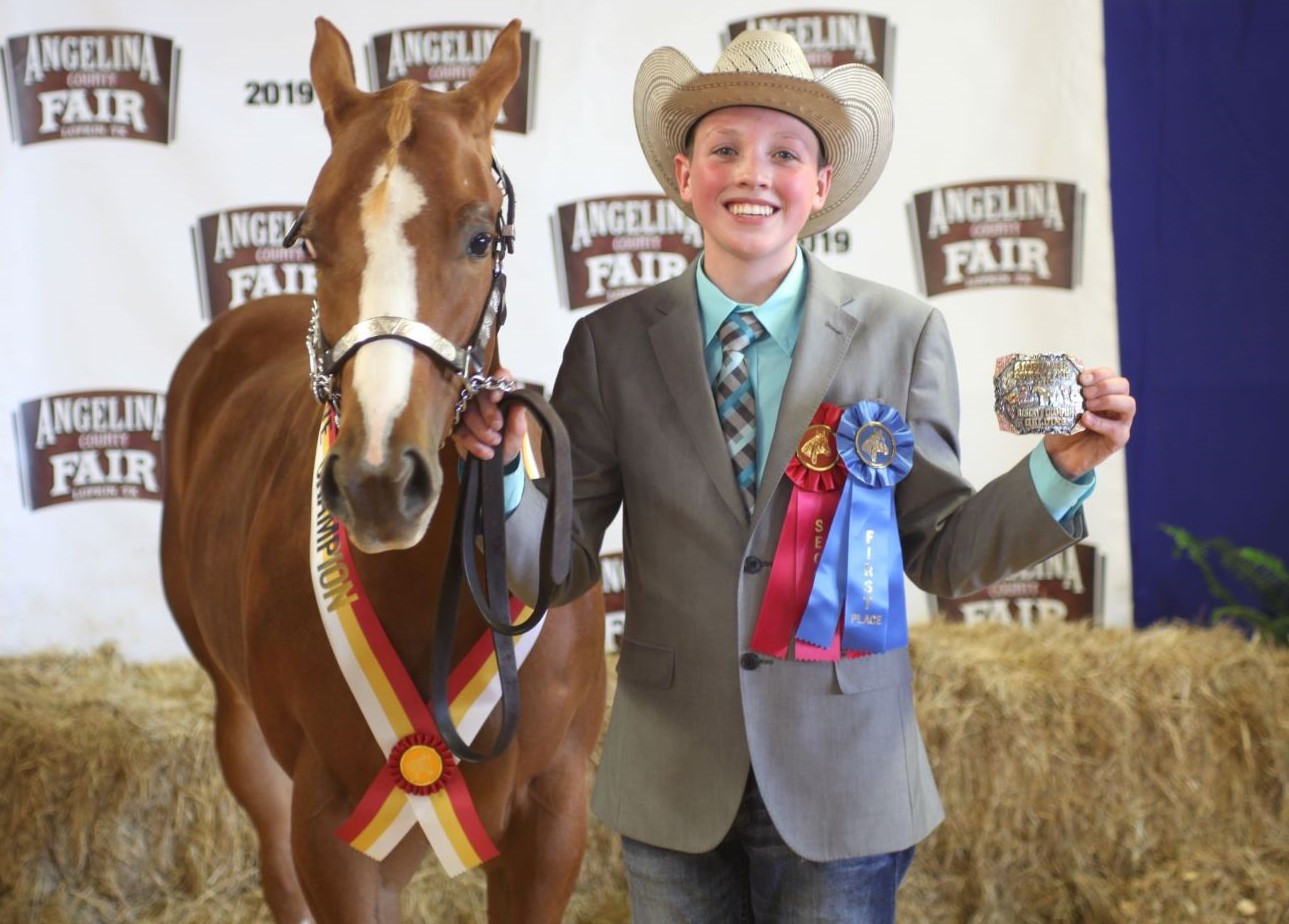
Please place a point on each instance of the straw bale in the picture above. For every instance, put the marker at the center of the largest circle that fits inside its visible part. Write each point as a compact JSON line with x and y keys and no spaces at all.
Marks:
{"x":1088,"y":776}
{"x":114,"y":809}
{"x":1092,"y":775}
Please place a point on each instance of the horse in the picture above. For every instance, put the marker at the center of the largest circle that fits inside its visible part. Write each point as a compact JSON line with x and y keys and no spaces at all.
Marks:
{"x":405,"y":225}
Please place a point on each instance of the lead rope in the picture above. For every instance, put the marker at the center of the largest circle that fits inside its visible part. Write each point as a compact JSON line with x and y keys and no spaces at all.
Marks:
{"x":481,"y":518}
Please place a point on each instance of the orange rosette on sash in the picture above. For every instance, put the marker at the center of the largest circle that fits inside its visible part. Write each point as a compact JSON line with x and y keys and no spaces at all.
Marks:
{"x":817,"y":474}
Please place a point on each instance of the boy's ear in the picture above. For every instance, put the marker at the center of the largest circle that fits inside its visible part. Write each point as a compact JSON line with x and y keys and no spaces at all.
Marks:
{"x":822,"y":187}
{"x":681,"y":163}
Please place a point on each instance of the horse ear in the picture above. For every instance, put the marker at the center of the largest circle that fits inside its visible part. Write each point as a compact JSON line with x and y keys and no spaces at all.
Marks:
{"x":496,"y":76}
{"x":332,"y":68}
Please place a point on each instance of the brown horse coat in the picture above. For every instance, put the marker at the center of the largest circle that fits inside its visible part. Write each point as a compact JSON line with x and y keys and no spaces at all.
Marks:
{"x":391,"y":221}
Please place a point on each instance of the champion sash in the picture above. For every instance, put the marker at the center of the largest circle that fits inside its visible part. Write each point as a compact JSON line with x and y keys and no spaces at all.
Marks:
{"x":421,"y":782}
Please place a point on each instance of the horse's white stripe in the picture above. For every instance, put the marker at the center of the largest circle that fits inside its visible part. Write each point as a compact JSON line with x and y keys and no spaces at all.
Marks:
{"x":383,"y":370}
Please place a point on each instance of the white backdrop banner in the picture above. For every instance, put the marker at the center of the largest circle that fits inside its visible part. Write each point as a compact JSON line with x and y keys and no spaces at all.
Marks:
{"x":157,"y":152}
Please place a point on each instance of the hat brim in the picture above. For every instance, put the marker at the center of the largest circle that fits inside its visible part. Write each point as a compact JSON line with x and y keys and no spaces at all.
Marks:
{"x":849,"y":107}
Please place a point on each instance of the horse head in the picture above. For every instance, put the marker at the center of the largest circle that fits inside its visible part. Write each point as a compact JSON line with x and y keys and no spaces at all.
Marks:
{"x":406,"y":229}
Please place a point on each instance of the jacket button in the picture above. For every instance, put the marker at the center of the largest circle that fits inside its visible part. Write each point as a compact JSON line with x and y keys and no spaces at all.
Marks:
{"x":752,"y":564}
{"x":750,"y":660}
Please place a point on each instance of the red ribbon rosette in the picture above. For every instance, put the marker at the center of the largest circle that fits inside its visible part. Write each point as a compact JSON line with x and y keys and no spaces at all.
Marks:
{"x":817,"y":474}
{"x":421,"y":764}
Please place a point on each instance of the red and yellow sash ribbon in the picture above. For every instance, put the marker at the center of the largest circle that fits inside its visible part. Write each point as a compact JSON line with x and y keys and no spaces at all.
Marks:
{"x":421,"y":783}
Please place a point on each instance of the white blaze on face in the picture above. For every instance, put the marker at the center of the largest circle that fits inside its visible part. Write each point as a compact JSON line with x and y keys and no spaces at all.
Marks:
{"x":383,"y":369}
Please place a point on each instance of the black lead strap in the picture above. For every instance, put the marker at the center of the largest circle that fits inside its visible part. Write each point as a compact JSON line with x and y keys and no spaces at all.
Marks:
{"x":481,"y":519}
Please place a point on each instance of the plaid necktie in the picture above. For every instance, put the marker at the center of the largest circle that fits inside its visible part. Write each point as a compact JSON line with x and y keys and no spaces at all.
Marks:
{"x":735,"y":403}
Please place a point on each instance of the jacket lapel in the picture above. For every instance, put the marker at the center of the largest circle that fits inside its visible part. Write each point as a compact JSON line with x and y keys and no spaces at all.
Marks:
{"x":677,"y":339}
{"x":828,"y":324}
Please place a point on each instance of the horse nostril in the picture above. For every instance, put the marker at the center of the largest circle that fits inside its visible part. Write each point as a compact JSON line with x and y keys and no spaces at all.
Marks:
{"x":418,"y":488}
{"x":332,"y":496}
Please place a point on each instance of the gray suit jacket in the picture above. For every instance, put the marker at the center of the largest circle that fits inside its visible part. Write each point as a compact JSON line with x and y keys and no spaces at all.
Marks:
{"x":835,"y":746}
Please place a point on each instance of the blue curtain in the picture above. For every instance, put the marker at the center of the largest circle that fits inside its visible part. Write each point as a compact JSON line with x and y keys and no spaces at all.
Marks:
{"x":1198,"y":108}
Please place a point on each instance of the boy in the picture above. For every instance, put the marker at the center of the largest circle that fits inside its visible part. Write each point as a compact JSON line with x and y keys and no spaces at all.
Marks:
{"x":789,"y":787}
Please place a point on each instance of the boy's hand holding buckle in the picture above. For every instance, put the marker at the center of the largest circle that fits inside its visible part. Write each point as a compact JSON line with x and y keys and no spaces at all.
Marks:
{"x":1107,"y":424}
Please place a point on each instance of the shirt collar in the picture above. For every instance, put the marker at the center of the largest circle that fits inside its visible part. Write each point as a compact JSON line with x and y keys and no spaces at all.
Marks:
{"x":777,"y":313}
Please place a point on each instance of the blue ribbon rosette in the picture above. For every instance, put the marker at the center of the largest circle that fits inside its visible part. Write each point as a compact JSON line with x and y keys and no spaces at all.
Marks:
{"x":860,"y":577}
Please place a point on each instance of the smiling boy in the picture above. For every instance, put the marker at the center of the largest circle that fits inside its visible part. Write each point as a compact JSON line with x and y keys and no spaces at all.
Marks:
{"x":752,"y":178}
{"x":788,"y":782}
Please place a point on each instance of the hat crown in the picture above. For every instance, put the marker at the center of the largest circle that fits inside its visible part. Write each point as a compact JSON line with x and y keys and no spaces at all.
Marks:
{"x":758,"y":51}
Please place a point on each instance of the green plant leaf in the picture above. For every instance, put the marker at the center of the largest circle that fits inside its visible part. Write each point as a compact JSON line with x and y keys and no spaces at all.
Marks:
{"x":1251,"y":572}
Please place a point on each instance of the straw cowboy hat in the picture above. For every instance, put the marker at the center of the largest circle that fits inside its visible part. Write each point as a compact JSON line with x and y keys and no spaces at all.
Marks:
{"x":849,"y":108}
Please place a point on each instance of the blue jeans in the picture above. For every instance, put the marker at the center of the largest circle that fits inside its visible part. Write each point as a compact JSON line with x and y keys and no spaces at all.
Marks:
{"x":753,"y":876}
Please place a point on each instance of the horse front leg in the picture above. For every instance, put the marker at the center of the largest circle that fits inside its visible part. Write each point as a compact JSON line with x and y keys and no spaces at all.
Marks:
{"x":545,"y":840}
{"x":342,"y":885}
{"x":541,"y":854}
{"x":264,"y":790}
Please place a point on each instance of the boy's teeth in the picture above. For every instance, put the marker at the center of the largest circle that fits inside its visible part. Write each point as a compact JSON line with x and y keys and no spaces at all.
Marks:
{"x":746,"y":209}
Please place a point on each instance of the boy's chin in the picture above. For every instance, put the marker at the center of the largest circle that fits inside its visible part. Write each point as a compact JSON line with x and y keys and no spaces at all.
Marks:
{"x":750,"y":249}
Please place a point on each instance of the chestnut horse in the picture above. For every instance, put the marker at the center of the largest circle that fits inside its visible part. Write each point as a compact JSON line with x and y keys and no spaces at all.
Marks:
{"x":405,"y":225}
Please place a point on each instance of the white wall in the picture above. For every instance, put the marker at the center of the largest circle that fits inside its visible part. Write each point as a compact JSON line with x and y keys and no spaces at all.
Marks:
{"x":98,"y":290}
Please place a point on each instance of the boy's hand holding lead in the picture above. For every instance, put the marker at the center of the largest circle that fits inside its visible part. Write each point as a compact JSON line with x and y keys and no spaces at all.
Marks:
{"x":484,"y":427}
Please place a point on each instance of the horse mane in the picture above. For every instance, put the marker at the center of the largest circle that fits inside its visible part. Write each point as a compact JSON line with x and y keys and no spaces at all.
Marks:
{"x":399,"y":125}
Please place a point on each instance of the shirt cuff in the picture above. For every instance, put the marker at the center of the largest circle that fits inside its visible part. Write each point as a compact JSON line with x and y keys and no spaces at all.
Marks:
{"x":513,"y":483}
{"x":1059,"y":495}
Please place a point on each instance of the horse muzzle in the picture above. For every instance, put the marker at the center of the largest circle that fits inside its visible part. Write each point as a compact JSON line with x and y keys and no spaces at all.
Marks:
{"x":386,"y":506}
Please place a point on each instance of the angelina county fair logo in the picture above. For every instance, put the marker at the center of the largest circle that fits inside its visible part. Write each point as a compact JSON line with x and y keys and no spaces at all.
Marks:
{"x":240,"y":257}
{"x":90,"y":446}
{"x":1063,"y":588}
{"x":1017,"y":232}
{"x":610,"y":247}
{"x":828,"y":37}
{"x":613,"y":583}
{"x":81,"y":83}
{"x":446,"y":57}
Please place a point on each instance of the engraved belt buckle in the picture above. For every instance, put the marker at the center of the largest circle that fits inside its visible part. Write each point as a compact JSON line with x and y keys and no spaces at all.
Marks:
{"x":1038,"y":392}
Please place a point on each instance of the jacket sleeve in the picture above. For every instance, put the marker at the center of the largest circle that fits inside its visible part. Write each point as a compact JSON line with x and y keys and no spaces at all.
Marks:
{"x":956,"y":540}
{"x":597,"y":478}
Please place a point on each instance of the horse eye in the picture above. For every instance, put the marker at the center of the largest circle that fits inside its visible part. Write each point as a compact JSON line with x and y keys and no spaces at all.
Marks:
{"x":480,"y":244}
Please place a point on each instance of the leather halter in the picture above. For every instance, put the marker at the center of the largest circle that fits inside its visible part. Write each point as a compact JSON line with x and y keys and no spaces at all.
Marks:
{"x":480,"y":518}
{"x":465,"y":361}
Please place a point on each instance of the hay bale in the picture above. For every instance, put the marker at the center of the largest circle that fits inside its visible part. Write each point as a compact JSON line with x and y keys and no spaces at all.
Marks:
{"x":114,"y":807}
{"x":1088,"y":776}
{"x":1096,"y":775}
